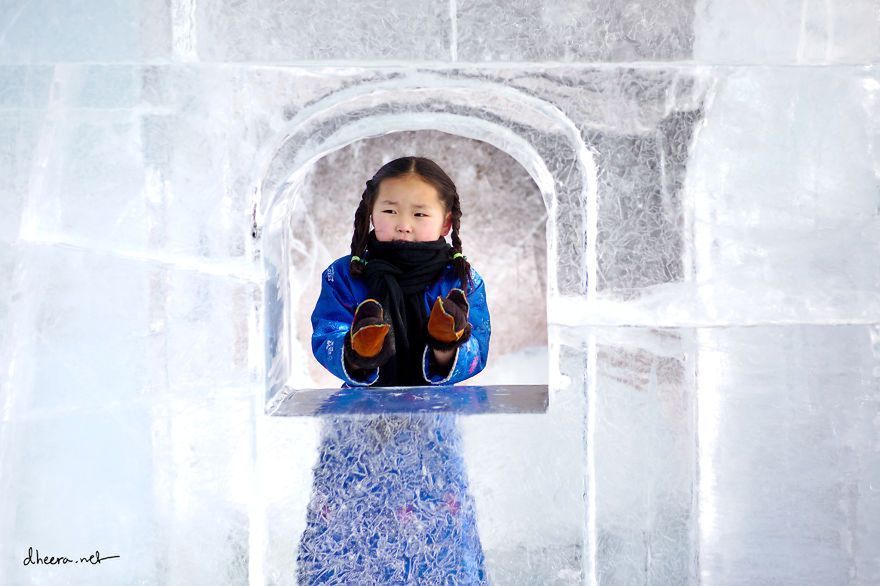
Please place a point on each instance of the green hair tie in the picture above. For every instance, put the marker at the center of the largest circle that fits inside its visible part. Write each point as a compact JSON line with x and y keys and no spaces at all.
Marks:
{"x":458,"y":254}
{"x":359,"y":259}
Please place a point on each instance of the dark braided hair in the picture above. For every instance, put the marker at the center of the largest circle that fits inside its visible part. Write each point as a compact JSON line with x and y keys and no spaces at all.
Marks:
{"x":429,"y":171}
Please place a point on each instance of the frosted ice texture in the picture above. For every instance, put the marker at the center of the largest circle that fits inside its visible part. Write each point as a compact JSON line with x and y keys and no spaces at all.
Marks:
{"x":560,"y":30}
{"x":715,"y":186}
{"x":391,"y":505}
{"x":331,"y":30}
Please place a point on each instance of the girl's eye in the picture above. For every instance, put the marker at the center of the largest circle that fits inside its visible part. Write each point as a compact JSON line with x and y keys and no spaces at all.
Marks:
{"x":388,"y":211}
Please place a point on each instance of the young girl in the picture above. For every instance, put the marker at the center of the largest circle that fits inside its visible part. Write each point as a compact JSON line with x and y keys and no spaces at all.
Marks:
{"x":390,"y":502}
{"x":404,"y":308}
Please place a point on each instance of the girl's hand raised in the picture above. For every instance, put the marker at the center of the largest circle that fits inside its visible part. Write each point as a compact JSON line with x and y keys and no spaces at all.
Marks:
{"x":370,"y":342}
{"x":448,"y":325}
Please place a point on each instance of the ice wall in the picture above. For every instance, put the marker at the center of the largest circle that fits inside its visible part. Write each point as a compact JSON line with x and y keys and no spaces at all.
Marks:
{"x":710,"y":174}
{"x":786,"y":232}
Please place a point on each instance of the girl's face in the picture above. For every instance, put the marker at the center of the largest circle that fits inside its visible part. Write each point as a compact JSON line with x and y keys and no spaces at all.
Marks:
{"x":408,"y":208}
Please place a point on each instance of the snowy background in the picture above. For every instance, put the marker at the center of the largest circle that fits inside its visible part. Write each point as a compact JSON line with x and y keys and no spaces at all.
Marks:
{"x":687,"y":195}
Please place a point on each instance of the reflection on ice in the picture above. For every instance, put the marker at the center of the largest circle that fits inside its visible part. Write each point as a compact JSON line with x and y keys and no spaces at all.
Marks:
{"x":459,"y":399}
{"x":390,"y":504}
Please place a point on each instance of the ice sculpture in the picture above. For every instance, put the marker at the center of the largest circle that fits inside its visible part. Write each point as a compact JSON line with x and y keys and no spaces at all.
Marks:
{"x":709,"y":171}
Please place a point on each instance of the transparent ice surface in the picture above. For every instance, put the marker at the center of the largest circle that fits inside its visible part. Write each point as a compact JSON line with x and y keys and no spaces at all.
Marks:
{"x":786,"y":31}
{"x":697,"y":184}
{"x":128,"y":31}
{"x":163,"y":484}
{"x":778,"y":488}
{"x":789,"y":458}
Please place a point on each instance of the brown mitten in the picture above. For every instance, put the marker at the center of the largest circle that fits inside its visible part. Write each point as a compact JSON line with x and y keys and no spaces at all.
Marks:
{"x":448,"y":326}
{"x":370,"y":342}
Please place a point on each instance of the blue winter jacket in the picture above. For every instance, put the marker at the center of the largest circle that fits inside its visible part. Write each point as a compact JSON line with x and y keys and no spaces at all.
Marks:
{"x":340,"y":295}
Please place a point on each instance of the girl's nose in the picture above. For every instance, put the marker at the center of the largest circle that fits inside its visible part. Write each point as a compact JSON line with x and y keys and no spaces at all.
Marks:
{"x":404,"y":226}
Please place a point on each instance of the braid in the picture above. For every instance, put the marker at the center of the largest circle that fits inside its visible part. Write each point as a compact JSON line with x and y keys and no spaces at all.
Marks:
{"x":361,"y":230}
{"x":462,"y":266}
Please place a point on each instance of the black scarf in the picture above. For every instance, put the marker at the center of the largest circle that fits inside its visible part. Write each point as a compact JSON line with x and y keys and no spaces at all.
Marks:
{"x":397,"y":275}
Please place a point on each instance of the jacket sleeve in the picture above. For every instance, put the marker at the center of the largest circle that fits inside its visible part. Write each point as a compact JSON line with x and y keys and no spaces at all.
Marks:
{"x":331,"y":321}
{"x":470,"y":358}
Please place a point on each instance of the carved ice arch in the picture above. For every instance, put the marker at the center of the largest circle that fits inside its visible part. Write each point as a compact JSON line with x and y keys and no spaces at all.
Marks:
{"x":537,"y":134}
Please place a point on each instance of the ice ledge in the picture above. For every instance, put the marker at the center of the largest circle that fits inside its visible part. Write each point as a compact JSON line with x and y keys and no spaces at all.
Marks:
{"x":466,"y":400}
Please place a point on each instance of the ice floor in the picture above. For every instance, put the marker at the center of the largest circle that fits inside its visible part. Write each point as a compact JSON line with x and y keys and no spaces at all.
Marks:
{"x":685,"y":194}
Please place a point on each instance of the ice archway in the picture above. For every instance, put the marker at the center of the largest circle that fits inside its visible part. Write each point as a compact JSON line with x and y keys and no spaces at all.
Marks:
{"x":535,"y":133}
